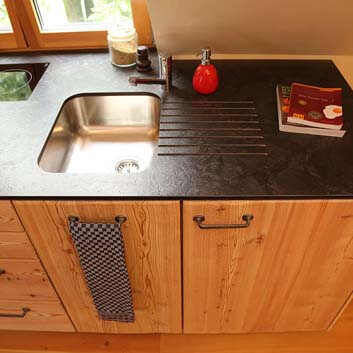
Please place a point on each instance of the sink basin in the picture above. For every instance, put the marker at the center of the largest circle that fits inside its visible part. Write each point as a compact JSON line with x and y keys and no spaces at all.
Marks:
{"x":103,"y":133}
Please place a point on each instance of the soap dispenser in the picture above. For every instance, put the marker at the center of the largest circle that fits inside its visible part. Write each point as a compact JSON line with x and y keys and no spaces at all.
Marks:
{"x":205,"y":80}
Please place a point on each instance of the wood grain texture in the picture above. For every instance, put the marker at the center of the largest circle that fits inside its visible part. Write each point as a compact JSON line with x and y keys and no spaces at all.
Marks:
{"x":152,"y":244}
{"x":7,"y":41}
{"x":16,"y":26}
{"x":338,"y":340}
{"x":16,"y":246}
{"x":43,"y":316}
{"x":291,"y":270}
{"x":25,"y":280}
{"x":142,"y":21}
{"x":9,"y":221}
{"x":78,"y":342}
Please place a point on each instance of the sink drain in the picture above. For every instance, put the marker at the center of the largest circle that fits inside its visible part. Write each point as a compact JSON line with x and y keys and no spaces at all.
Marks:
{"x":127,"y":167}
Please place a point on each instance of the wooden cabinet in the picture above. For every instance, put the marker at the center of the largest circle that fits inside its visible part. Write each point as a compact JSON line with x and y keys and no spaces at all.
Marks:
{"x":9,"y":221}
{"x":26,"y":280}
{"x":290,"y":270}
{"x":153,"y":255}
{"x":24,"y":283}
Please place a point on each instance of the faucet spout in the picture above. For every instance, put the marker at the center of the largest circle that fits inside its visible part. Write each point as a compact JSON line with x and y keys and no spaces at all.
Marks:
{"x":137,"y":80}
{"x":165,"y":75}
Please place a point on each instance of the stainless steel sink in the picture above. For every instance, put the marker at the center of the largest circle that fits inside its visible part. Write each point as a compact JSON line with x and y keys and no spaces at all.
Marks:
{"x":110,"y":133}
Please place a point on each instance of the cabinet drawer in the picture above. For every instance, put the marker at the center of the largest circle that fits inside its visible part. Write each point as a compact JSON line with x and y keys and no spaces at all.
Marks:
{"x":16,"y":245}
{"x":42,"y":316}
{"x":9,"y":221}
{"x":25,"y":280}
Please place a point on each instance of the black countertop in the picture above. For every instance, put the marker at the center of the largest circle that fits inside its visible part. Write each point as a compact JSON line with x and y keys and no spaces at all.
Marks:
{"x":300,"y":166}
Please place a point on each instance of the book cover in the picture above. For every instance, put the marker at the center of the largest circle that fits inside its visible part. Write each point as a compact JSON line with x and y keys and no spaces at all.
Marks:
{"x":283,"y":94}
{"x":316,"y":106}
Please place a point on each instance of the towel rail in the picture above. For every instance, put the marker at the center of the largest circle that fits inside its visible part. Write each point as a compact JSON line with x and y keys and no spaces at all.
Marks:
{"x":119,"y":219}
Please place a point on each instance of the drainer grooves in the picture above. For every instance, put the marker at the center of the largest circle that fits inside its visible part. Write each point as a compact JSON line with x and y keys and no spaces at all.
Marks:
{"x":206,"y":128}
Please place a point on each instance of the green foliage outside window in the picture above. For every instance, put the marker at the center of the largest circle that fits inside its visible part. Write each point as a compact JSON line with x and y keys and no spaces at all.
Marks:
{"x":105,"y":9}
{"x":4,"y":18}
{"x":78,"y":11}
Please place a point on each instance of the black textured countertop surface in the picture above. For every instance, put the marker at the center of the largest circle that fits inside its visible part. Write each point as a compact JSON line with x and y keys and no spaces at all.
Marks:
{"x":291,"y":165}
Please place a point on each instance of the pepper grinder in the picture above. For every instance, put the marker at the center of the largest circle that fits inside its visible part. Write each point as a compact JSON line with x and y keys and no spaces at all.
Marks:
{"x":143,"y":63}
{"x":205,"y":80}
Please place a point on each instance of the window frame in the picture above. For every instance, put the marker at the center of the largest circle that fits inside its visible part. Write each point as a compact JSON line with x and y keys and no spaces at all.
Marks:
{"x":13,"y":39}
{"x":34,"y":38}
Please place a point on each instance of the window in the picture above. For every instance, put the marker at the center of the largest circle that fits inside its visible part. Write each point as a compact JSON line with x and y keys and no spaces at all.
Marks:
{"x":10,"y":32}
{"x":5,"y":24}
{"x":69,"y":24}
{"x":61,"y":15}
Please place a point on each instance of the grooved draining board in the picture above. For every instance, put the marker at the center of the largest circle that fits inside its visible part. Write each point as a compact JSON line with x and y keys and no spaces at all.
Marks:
{"x":213,"y":127}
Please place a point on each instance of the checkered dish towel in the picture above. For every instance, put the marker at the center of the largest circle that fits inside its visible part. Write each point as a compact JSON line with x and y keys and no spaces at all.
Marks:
{"x":100,"y":248}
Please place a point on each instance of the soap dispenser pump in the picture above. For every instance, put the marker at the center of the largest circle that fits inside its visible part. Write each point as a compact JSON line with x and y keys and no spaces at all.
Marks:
{"x":205,"y":80}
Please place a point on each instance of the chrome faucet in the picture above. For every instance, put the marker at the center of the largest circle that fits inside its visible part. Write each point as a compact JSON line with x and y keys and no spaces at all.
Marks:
{"x":165,"y":75}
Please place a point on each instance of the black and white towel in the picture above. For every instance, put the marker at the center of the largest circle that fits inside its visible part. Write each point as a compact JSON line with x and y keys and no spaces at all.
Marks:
{"x":100,"y":248}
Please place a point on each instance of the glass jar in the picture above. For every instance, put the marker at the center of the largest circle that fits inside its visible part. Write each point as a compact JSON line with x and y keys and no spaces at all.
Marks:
{"x":122,"y":43}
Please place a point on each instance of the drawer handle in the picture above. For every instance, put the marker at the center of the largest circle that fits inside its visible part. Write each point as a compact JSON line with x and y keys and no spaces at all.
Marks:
{"x":119,"y":219}
{"x":2,"y":271}
{"x":247,"y":218}
{"x":23,"y":314}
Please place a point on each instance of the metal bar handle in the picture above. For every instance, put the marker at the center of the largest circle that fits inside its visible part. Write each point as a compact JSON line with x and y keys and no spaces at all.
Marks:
{"x":23,"y":314}
{"x":119,"y":219}
{"x":247,"y":218}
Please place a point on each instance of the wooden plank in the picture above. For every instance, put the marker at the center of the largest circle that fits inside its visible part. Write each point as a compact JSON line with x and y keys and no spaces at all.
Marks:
{"x":142,"y":21}
{"x":16,"y":246}
{"x":77,"y":342}
{"x":152,"y":243}
{"x":9,"y":221}
{"x":7,"y":41}
{"x":16,"y":26}
{"x":25,"y":280}
{"x":25,"y":13}
{"x":324,"y":282}
{"x":339,"y":340}
{"x":286,"y":272}
{"x":42,"y":316}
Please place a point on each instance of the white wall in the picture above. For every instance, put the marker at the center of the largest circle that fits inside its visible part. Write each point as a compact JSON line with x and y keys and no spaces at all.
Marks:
{"x":314,"y":27}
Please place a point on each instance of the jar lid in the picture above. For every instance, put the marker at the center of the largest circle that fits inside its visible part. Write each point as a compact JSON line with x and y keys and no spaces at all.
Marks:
{"x":122,"y":32}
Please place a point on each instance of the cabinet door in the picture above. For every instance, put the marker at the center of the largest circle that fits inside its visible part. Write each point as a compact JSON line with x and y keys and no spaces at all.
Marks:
{"x":290,"y":270}
{"x":152,"y":248}
{"x":27,"y":299}
{"x":8,"y":218}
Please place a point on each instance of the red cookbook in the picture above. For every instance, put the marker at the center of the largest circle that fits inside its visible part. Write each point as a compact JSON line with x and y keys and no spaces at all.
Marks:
{"x":316,"y":106}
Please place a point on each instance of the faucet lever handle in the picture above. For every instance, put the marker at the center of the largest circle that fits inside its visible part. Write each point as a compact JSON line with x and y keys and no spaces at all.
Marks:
{"x":133,"y":81}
